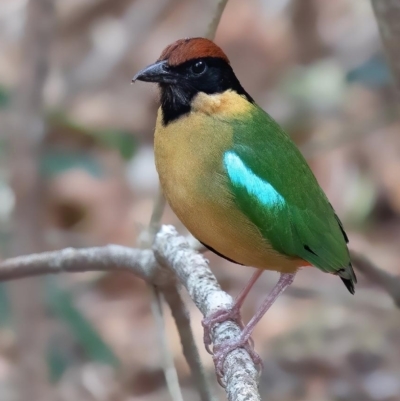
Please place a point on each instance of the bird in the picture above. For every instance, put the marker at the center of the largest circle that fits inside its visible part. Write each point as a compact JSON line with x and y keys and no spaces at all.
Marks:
{"x":237,"y":181}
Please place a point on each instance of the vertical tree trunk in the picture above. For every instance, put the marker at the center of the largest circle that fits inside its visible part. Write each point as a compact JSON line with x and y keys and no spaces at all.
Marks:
{"x":26,"y":141}
{"x":387,"y":13}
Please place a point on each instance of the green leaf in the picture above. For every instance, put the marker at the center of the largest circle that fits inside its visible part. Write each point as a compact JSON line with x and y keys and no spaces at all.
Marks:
{"x":5,"y":307}
{"x":61,"y":302}
{"x":5,"y":97}
{"x":57,"y":161}
{"x":122,"y":141}
{"x":57,"y":362}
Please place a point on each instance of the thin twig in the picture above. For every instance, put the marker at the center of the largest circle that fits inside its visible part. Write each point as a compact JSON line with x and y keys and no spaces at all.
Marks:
{"x":212,"y":28}
{"x":190,"y":351}
{"x":71,"y":260}
{"x":145,"y":241}
{"x":148,"y":235}
{"x":387,"y":281}
{"x":171,"y":375}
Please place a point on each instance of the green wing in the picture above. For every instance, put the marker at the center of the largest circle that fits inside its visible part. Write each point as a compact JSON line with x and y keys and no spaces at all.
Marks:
{"x":274,"y":187}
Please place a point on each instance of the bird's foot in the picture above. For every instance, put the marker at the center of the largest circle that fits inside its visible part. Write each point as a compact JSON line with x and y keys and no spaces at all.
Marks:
{"x":221,"y":315}
{"x":244,"y":341}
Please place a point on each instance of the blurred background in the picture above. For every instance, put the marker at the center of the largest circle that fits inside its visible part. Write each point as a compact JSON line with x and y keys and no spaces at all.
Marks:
{"x":317,"y":66}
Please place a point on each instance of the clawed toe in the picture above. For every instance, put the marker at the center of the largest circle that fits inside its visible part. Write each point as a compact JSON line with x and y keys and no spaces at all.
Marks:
{"x":220,"y":354}
{"x":224,"y":349}
{"x":244,"y":340}
{"x":221,"y":315}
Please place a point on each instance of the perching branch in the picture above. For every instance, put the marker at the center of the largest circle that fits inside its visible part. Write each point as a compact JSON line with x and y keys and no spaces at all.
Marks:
{"x":70,"y":260}
{"x":240,"y":374}
{"x":177,"y":260}
{"x":171,"y":259}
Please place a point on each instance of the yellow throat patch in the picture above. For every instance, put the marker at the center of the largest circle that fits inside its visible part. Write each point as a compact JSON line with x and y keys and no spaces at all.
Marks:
{"x":221,"y":105}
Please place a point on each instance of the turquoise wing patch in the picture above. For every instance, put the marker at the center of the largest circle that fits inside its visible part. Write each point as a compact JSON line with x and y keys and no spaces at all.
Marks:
{"x":242,"y":176}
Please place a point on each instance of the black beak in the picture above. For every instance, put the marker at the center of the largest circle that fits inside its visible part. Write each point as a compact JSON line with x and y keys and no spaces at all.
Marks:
{"x":158,"y":72}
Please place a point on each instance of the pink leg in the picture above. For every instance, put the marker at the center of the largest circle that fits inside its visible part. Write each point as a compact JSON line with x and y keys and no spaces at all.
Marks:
{"x":223,"y":315}
{"x":224,"y":349}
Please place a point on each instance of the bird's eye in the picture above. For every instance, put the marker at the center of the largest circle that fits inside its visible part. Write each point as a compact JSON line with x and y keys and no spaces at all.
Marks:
{"x":199,"y":67}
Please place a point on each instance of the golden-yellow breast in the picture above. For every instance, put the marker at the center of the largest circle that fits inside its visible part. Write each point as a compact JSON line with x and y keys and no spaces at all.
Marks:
{"x":189,"y":153}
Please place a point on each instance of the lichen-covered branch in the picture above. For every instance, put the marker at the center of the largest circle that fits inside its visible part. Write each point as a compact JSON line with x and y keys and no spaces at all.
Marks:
{"x":191,"y":268}
{"x":70,"y":260}
{"x":171,"y":259}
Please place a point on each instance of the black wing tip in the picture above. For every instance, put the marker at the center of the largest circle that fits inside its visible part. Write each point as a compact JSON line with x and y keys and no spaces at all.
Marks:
{"x":349,"y":282}
{"x":349,"y":285}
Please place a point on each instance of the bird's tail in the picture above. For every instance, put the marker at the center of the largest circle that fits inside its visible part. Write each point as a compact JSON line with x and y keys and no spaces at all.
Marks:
{"x":348,"y":277}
